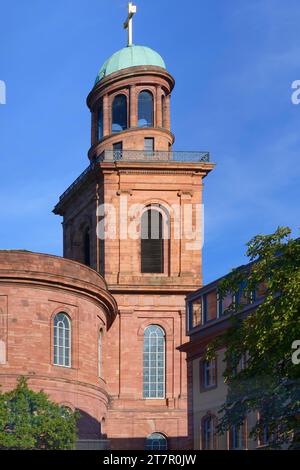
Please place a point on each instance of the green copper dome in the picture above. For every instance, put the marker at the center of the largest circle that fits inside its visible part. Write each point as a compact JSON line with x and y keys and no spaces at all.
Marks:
{"x":131,"y":56}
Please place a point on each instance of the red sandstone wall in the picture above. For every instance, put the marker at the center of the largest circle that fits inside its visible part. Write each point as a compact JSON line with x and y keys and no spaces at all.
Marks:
{"x":145,"y":300}
{"x":33,"y":288}
{"x":142,"y":299}
{"x":131,"y":418}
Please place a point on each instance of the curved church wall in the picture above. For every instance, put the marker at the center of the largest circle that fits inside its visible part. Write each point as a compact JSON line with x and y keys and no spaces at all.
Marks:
{"x":33,"y":289}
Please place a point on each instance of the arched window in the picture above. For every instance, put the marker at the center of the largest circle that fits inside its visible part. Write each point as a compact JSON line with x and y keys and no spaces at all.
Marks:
{"x":62,"y":340}
{"x":87,"y":248}
{"x":102,"y":428}
{"x":156,"y":441}
{"x":145,"y":109}
{"x":100,"y":120}
{"x":154,"y":362}
{"x":119,"y":113}
{"x":208,"y":432}
{"x":100,"y":338}
{"x":152,"y":242}
{"x":237,"y":437}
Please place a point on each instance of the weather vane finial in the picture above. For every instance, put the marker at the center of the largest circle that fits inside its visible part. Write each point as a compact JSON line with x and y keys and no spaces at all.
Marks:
{"x":128,"y":23}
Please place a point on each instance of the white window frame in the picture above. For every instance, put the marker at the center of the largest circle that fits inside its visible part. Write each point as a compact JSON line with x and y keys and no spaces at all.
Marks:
{"x":162,"y":442}
{"x":61,"y":329}
{"x":208,"y":434}
{"x":208,"y":367}
{"x":237,"y":435}
{"x":153,"y":363}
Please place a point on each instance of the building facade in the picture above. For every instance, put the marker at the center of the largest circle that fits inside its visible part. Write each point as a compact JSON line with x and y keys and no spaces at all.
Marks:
{"x":103,"y":338}
{"x":135,"y":176}
{"x":207,"y":317}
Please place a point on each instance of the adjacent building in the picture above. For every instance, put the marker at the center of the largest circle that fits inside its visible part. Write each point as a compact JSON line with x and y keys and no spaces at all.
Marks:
{"x":207,"y":317}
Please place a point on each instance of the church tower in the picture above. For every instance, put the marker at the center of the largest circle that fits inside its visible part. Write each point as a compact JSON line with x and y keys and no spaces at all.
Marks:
{"x":134,"y":216}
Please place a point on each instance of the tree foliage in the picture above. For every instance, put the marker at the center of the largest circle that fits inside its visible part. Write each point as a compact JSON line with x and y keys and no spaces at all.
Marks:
{"x":29,"y":420}
{"x":270,"y":384}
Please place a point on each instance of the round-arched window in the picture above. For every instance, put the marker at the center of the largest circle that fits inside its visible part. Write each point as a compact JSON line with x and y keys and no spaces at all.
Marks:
{"x":156,"y":441}
{"x":208,"y":432}
{"x":154,"y":373}
{"x":145,"y":109}
{"x":62,"y":340}
{"x":152,"y":242}
{"x":119,"y":114}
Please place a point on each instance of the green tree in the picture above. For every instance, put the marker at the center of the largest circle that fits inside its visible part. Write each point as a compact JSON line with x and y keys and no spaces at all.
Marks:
{"x":29,"y":420}
{"x":270,"y":383}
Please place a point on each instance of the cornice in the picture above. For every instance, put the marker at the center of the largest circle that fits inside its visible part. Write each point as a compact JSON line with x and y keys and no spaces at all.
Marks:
{"x":125,"y":75}
{"x":34,"y":270}
{"x":97,"y":149}
{"x":56,"y":379}
{"x":168,"y":167}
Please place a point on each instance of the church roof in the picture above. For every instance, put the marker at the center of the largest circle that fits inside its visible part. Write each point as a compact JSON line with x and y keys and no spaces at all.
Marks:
{"x":130,"y":56}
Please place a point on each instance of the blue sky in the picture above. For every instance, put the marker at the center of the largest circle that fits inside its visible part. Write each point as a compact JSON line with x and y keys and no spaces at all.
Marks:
{"x":234,"y":63}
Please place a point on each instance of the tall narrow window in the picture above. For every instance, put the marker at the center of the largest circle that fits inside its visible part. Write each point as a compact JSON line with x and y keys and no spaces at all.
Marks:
{"x":118,"y":151}
{"x":237,"y":363}
{"x":156,"y":441}
{"x":102,"y":255}
{"x":100,"y":120}
{"x":149,"y":146}
{"x":264,"y":436}
{"x":145,"y":109}
{"x":208,"y":374}
{"x":62,"y":340}
{"x":208,"y":432}
{"x":87,"y":248}
{"x":163,"y":109}
{"x":154,"y":362}
{"x":152,"y":243}
{"x":237,"y":437}
{"x":100,"y":337}
{"x":119,"y":114}
{"x":226,"y":304}
{"x":196,"y":312}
